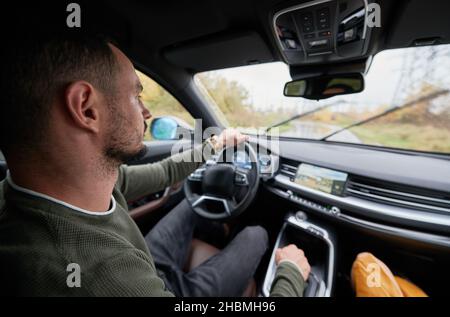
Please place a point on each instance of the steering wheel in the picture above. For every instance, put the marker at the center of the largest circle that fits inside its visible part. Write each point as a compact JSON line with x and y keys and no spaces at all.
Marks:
{"x":220,"y":190}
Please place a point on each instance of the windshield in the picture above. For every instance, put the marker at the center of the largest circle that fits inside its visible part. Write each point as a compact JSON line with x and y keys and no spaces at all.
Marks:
{"x":414,"y":81}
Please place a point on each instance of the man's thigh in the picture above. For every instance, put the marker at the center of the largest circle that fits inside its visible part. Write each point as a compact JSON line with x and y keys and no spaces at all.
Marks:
{"x":228,"y":272}
{"x":225,"y":274}
{"x":170,"y":239}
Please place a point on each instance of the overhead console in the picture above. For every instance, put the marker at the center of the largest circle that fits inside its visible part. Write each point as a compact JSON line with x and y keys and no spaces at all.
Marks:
{"x":322,"y":31}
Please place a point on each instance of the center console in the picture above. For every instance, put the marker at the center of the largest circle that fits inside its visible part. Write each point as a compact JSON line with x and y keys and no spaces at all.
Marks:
{"x":319,"y":244}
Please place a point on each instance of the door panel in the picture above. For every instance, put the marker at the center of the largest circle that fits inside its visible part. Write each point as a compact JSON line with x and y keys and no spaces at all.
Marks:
{"x":146,"y":209}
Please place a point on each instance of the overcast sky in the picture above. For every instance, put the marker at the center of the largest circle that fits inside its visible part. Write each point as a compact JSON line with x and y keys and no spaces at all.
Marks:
{"x":265,"y":82}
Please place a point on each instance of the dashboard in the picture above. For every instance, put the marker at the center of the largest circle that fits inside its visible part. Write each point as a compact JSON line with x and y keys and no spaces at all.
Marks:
{"x":268,"y":163}
{"x":241,"y":159}
{"x":398,"y":194}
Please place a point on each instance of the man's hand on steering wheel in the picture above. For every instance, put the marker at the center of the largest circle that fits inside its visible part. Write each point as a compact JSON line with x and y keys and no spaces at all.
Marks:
{"x":229,"y":137}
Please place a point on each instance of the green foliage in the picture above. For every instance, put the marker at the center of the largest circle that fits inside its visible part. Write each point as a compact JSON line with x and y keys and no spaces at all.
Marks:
{"x":160,"y":102}
{"x":234,"y":102}
{"x":415,"y":128}
{"x":405,"y":136}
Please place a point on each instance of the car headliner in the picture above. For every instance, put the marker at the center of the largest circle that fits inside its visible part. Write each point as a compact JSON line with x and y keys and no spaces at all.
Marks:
{"x":180,"y":38}
{"x":163,"y":28}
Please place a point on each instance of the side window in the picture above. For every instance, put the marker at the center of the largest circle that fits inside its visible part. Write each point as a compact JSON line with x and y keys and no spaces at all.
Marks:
{"x":161,"y":103}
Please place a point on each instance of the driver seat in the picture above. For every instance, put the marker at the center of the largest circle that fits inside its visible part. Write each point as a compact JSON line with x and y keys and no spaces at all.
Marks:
{"x":200,"y":251}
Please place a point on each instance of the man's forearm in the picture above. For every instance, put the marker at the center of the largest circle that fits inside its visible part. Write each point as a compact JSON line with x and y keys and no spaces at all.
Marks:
{"x":140,"y":180}
{"x":180,"y":166}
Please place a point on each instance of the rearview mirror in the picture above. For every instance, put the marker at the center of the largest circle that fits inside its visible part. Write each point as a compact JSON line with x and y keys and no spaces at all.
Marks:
{"x":324,"y":87}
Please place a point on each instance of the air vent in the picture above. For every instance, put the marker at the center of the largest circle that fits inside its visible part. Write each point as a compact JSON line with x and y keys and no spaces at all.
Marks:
{"x":399,"y":195}
{"x":288,"y":170}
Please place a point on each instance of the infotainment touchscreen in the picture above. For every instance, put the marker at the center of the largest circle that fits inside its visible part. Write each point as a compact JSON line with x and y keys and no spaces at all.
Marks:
{"x":323,"y":179}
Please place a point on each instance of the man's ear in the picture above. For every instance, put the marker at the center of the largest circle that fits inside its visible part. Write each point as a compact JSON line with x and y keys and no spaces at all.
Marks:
{"x":82,"y":104}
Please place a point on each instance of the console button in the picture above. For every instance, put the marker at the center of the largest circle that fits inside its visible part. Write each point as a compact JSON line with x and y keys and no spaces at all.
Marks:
{"x":318,"y":43}
{"x":325,"y":34}
{"x":306,"y":18}
{"x":323,"y":18}
{"x":308,"y":29}
{"x":324,"y":26}
{"x":307,"y":22}
{"x":323,"y":13}
{"x":335,"y":211}
{"x":301,"y":216}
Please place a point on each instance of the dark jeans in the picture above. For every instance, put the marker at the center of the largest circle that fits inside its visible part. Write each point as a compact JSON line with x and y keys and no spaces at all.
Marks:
{"x":225,"y":274}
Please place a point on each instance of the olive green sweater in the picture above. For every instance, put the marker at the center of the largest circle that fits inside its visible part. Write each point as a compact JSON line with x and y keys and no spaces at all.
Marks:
{"x":40,"y":237}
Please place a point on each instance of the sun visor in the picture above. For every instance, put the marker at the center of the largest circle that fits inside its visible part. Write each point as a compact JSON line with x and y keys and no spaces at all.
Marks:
{"x":420,"y":23}
{"x":227,"y":51}
{"x":307,"y":71}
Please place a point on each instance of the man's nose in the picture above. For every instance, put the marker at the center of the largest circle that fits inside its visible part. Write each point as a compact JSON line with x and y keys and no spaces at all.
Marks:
{"x":146,"y":113}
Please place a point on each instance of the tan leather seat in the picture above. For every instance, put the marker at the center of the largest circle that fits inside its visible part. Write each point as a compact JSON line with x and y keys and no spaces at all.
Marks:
{"x":201,"y":251}
{"x":372,"y":278}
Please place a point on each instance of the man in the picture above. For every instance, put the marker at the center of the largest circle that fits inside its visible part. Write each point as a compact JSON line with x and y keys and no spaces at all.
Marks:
{"x":71,"y":115}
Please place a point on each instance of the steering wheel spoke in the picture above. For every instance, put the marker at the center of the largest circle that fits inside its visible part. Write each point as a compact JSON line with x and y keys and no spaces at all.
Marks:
{"x":228,"y":204}
{"x":241,"y":177}
{"x":197,"y":175}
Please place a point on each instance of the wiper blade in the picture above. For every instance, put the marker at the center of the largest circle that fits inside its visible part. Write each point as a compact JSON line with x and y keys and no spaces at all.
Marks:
{"x":301,"y":115}
{"x":384,"y":113}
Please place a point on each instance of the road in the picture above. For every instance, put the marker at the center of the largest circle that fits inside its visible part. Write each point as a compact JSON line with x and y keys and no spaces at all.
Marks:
{"x":315,"y":130}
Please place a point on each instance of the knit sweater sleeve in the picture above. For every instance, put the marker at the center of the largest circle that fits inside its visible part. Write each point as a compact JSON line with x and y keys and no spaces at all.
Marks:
{"x":127,"y":274}
{"x":140,"y":180}
{"x":288,"y":281}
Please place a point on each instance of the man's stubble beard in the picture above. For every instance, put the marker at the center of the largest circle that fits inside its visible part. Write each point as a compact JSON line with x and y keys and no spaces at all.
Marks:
{"x":117,"y":150}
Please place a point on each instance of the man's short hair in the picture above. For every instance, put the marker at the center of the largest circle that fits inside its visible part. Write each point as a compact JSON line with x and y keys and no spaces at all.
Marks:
{"x":37,"y":71}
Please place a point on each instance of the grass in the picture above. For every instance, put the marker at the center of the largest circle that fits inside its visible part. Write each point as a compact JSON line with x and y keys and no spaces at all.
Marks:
{"x":405,"y":136}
